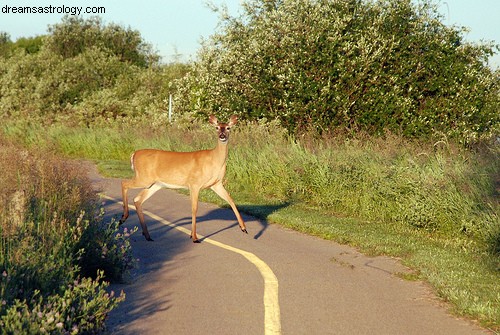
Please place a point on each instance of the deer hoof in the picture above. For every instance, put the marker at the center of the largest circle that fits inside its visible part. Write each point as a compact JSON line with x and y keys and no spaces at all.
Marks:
{"x":148,"y":238}
{"x":196,"y":241}
{"x":244,"y":230}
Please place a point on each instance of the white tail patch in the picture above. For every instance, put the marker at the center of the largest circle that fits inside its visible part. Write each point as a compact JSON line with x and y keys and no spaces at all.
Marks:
{"x":132,"y":161}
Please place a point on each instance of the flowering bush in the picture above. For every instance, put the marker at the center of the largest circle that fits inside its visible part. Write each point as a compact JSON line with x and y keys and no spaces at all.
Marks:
{"x":355,"y":65}
{"x":106,"y":248}
{"x":49,"y":232}
{"x":81,"y":308}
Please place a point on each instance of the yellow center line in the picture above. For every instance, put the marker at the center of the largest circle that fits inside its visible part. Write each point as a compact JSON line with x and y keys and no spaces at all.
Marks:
{"x":272,"y":319}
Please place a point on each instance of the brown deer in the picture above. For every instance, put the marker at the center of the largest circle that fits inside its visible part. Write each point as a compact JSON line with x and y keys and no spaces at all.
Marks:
{"x":195,"y":171}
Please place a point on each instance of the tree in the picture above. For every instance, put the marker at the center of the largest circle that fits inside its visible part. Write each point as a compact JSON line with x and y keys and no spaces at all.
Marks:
{"x":5,"y":44}
{"x":74,"y":35}
{"x":30,"y":44}
{"x":353,"y":64}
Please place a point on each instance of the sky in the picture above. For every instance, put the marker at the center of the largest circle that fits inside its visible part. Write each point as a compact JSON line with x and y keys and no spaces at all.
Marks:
{"x":176,"y":27}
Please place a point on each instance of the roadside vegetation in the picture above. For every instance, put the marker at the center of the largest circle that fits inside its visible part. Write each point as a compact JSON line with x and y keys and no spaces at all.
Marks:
{"x":368,"y":123}
{"x":55,"y":249}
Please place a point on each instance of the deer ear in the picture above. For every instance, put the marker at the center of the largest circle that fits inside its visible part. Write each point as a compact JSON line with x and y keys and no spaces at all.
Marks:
{"x":233,"y":120}
{"x":213,"y":120}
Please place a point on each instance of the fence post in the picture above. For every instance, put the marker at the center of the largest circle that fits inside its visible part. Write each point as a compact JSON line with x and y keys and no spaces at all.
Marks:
{"x":170,"y":108}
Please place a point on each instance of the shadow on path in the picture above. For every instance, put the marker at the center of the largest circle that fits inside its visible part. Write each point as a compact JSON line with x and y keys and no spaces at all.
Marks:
{"x":262,"y":212}
{"x":147,"y":292}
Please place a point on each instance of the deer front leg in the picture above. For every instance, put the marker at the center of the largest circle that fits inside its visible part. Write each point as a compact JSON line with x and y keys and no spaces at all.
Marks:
{"x":221,"y":192}
{"x":194,"y":209}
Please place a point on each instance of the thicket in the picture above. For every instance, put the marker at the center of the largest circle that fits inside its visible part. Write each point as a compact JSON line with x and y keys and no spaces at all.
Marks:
{"x":55,"y":249}
{"x":85,"y":73}
{"x":354,"y":65}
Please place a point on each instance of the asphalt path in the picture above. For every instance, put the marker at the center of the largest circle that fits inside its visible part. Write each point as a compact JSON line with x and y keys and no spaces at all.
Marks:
{"x":271,"y":281}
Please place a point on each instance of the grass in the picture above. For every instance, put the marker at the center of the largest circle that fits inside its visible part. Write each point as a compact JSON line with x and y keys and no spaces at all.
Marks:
{"x":432,"y":204}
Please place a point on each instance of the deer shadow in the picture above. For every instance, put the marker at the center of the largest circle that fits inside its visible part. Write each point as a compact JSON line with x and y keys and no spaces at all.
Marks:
{"x":252,"y":212}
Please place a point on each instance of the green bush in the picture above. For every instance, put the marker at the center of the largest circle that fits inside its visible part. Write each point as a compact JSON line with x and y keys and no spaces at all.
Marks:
{"x":81,"y":308}
{"x":85,"y":73}
{"x":355,"y":65}
{"x":50,"y":234}
{"x":74,"y":35}
{"x":30,"y":45}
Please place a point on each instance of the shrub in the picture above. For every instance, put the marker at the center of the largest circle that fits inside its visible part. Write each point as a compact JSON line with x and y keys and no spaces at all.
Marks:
{"x":85,"y":73}
{"x":355,"y":65}
{"x":49,"y":232}
{"x":80,"y":309}
{"x":74,"y":35}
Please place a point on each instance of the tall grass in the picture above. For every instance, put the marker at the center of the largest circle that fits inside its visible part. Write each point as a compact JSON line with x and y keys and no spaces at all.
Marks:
{"x":432,"y":203}
{"x":436,"y":187}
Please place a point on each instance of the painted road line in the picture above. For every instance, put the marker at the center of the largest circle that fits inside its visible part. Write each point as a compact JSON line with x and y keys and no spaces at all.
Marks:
{"x":272,"y":319}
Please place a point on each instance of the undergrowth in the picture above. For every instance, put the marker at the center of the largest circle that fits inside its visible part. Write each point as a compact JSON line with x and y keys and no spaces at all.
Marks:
{"x":51,"y":236}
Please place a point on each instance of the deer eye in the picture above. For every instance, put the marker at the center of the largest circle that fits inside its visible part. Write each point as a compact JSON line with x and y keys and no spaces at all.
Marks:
{"x":227,"y":128}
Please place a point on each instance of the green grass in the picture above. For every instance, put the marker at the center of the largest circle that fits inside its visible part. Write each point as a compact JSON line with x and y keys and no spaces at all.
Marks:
{"x":431,"y":204}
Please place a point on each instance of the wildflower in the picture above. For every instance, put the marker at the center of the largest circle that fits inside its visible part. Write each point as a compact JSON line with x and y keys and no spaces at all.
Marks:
{"x":59,"y":325}
{"x":4,"y":273}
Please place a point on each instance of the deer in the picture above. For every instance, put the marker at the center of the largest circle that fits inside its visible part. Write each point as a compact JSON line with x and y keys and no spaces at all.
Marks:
{"x":155,"y":169}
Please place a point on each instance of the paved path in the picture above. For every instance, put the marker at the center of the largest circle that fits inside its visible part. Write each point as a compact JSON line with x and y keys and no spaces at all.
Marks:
{"x":324,"y":288}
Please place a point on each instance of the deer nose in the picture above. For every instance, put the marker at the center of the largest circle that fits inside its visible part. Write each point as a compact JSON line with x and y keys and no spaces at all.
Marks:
{"x":222,"y":137}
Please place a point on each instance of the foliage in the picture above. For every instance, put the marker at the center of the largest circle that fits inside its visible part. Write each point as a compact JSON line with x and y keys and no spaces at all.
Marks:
{"x":85,"y":73}
{"x":74,"y":35}
{"x":30,"y":45}
{"x":80,"y":309}
{"x":5,"y":44}
{"x":49,"y":233}
{"x":94,"y":87}
{"x":106,"y":248}
{"x":355,"y":65}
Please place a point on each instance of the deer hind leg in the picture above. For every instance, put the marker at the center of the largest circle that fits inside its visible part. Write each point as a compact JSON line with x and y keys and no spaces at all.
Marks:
{"x":194,"y":193}
{"x":126,"y":184}
{"x":138,"y":201}
{"x":221,"y":192}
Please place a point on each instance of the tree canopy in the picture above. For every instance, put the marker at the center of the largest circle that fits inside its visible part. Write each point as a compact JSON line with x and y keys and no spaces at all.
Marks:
{"x":74,"y":35}
{"x":350,"y":64}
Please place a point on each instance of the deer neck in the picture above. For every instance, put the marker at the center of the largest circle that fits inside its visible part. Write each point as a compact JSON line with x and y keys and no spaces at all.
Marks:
{"x":220,"y":152}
